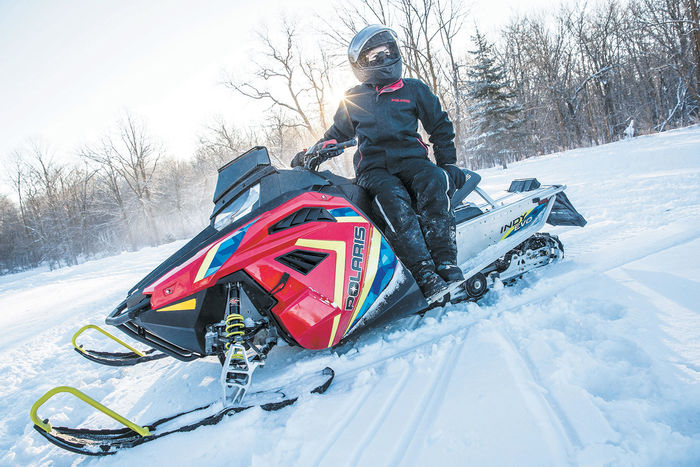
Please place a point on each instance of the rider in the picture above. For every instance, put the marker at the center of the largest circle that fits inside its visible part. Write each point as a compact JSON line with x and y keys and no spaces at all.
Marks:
{"x":410,"y":192}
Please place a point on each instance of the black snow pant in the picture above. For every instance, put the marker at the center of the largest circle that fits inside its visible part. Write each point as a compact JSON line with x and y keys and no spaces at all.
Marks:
{"x":415,"y":205}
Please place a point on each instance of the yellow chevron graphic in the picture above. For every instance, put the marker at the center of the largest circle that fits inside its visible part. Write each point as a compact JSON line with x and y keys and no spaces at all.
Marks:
{"x":336,"y":320}
{"x":339,"y":247}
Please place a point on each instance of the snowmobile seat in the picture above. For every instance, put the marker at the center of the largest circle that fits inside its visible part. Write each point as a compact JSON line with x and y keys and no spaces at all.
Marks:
{"x":473,"y":180}
{"x":465,"y":212}
{"x":355,"y":193}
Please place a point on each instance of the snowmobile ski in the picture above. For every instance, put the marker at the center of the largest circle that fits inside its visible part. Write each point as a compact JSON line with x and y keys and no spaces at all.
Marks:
{"x":102,"y":442}
{"x":133,"y":357}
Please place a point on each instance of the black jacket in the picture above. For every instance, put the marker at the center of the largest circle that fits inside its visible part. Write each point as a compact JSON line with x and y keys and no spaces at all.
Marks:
{"x":385,"y":121}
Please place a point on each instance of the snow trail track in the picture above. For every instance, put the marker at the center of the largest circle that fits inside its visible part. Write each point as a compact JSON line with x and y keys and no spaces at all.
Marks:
{"x":591,"y":361}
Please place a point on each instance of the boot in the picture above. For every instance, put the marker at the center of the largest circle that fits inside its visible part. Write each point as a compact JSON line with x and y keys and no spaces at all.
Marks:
{"x":450,"y":272}
{"x":430,"y":283}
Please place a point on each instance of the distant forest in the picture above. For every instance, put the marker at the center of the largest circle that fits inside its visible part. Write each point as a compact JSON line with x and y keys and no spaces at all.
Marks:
{"x":579,"y":75}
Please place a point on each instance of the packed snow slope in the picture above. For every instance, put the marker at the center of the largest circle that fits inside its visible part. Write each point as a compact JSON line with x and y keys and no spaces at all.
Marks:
{"x":591,"y":361}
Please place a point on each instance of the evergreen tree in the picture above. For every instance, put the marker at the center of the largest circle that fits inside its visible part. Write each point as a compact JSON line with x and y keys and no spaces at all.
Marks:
{"x":495,"y":136}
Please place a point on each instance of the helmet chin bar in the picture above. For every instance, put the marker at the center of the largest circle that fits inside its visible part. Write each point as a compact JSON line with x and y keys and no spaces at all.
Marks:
{"x":380,"y":75}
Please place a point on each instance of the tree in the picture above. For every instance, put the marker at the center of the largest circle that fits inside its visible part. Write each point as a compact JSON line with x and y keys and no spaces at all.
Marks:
{"x":294,"y":84}
{"x":495,"y":136}
{"x":14,"y":251}
{"x":129,"y":160}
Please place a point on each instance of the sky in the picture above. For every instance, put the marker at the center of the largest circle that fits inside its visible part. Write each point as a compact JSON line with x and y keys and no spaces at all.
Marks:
{"x":70,"y":69}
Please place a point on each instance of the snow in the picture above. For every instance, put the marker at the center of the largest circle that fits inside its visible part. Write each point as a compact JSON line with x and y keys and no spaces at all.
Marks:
{"x":591,"y":361}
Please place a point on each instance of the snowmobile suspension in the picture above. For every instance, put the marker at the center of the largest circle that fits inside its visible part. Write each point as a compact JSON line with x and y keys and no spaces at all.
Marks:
{"x":237,"y":370}
{"x":235,"y":330}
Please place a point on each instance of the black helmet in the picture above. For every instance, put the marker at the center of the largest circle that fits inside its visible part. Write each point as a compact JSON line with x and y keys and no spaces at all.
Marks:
{"x":372,"y":67}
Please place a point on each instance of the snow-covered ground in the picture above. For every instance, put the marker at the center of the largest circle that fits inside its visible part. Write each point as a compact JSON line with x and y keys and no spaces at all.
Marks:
{"x":591,"y":361}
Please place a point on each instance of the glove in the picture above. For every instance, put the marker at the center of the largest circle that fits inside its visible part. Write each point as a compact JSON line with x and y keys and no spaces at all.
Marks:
{"x":455,"y":174}
{"x":299,"y":160}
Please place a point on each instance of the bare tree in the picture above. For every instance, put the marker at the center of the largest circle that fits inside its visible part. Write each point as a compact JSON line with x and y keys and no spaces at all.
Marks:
{"x":220,"y":143}
{"x":450,"y":19}
{"x":129,"y":160}
{"x":289,"y":81}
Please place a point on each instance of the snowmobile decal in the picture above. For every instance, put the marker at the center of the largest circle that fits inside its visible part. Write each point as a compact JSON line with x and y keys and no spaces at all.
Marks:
{"x":371,"y":270}
{"x":526,"y":218}
{"x":380,"y":270}
{"x":380,"y":267}
{"x":361,"y":292}
{"x":220,"y":252}
{"x":358,"y":259}
{"x":190,"y":304}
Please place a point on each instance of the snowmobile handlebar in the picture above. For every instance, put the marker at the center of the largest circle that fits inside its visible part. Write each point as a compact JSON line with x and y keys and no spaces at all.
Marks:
{"x":317,"y":155}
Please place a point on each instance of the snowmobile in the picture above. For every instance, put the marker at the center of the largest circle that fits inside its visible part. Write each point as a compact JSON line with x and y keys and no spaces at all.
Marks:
{"x":299,"y":255}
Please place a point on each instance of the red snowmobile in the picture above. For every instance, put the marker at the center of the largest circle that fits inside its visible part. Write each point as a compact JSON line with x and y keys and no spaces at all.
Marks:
{"x":299,"y":255}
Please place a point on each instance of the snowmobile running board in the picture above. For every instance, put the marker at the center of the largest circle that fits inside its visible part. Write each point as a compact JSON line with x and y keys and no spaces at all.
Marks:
{"x":104,"y":442}
{"x":133,"y":357}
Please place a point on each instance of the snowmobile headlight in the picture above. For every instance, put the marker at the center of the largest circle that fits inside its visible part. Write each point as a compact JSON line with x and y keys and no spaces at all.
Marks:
{"x":238,"y":208}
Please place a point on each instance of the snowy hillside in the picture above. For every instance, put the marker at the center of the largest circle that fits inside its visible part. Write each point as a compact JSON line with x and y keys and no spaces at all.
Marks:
{"x":591,"y":361}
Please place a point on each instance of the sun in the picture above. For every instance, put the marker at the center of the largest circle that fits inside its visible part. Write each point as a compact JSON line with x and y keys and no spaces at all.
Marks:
{"x":335,"y":97}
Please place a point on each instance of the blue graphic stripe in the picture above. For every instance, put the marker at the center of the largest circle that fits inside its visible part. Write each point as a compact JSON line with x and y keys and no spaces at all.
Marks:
{"x":530,"y":217}
{"x":227,"y":248}
{"x":385,"y":271}
{"x":343,"y":212}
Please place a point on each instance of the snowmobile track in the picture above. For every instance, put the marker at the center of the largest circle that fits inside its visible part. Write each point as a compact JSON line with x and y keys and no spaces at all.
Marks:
{"x":542,"y":293}
{"x":567,"y":428}
{"x":432,"y":400}
{"x":350,"y":410}
{"x":356,"y":405}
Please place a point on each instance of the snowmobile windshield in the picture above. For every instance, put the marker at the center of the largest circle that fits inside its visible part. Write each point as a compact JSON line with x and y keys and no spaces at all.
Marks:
{"x":238,"y":208}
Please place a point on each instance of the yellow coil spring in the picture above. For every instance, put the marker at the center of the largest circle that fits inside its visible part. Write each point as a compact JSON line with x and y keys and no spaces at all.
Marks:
{"x":235,"y":328}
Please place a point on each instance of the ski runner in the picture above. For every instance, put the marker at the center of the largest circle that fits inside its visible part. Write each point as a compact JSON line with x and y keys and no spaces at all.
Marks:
{"x":409,"y":192}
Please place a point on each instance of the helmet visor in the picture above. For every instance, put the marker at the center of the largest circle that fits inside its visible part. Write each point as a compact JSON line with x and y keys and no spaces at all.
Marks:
{"x":379,"y":55}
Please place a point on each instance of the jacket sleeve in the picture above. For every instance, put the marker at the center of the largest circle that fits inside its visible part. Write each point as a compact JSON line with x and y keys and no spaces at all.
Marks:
{"x":342,"y":128}
{"x":438,"y":125}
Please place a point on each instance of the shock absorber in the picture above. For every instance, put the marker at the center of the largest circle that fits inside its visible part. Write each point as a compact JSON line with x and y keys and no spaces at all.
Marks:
{"x":237,"y":370}
{"x":234,"y":330}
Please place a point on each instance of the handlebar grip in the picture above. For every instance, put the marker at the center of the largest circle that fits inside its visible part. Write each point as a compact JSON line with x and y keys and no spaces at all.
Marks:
{"x":347,"y":144}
